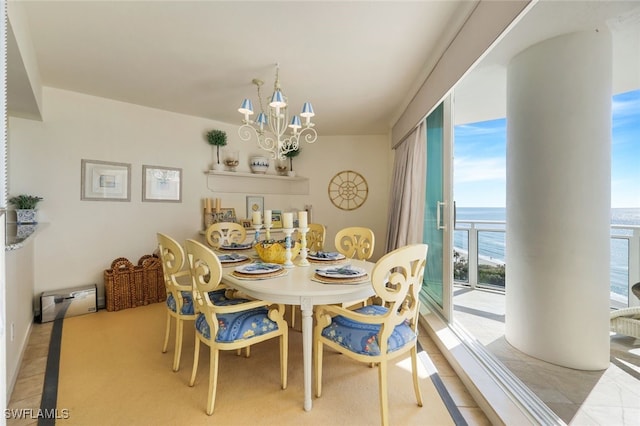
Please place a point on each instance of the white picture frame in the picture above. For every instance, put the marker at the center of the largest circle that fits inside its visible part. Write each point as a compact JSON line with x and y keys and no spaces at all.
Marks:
{"x":161,"y":184}
{"x":254,"y":204}
{"x":105,"y":181}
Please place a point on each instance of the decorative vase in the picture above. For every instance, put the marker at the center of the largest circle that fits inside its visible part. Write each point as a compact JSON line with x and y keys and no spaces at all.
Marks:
{"x":26,"y":215}
{"x":218,"y":167}
{"x":231,"y":160}
{"x":281,"y":167}
{"x":259,"y":164}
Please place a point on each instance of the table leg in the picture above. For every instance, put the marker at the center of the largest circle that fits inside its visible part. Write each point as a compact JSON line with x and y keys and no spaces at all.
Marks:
{"x":306,"y":307}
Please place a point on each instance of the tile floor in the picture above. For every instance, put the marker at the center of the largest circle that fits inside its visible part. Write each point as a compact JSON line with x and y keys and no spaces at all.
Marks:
{"x":610,"y":397}
{"x":27,"y":391}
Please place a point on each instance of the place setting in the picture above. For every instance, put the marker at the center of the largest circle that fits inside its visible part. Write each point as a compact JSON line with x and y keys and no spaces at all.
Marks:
{"x":345,"y":274}
{"x":326,"y":257}
{"x":235,"y":247}
{"x":233,"y":259}
{"x":258,"y":271}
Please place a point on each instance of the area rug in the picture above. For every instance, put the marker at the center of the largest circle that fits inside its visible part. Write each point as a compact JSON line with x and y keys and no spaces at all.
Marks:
{"x":112,"y":372}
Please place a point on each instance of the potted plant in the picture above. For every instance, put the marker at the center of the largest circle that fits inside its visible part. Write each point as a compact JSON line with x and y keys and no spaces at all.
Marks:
{"x":290,"y":156}
{"x":217,"y":138}
{"x":25,"y":207}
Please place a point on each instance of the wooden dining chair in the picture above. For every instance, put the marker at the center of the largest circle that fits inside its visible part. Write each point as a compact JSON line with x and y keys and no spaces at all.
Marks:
{"x":225,"y":233}
{"x":230,"y":324}
{"x":315,"y":242}
{"x":355,"y":242}
{"x":381,"y":332}
{"x":177,"y":283}
{"x":315,"y":237}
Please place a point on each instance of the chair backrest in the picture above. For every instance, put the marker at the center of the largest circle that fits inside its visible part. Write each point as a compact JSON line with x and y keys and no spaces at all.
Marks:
{"x":206,"y":273}
{"x":355,"y":242}
{"x":171,"y":256}
{"x":315,"y":236}
{"x":225,"y":233}
{"x":173,"y":260}
{"x":397,"y":280}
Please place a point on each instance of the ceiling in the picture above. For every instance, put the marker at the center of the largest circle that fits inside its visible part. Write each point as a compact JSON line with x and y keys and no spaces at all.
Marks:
{"x":358,"y":62}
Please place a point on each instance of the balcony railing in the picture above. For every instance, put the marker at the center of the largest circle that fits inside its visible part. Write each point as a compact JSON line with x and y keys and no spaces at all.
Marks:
{"x":479,"y":247}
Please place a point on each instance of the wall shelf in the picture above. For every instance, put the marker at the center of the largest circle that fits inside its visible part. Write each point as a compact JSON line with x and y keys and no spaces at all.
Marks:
{"x":255,"y":183}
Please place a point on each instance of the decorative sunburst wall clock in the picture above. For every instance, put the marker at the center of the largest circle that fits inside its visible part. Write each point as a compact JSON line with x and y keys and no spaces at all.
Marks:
{"x":348,"y":190}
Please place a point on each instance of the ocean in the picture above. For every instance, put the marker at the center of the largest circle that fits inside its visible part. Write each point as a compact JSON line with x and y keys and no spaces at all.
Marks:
{"x":491,"y":245}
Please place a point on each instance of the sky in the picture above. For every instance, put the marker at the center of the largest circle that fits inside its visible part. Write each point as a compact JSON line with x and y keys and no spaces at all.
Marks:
{"x":479,"y":176}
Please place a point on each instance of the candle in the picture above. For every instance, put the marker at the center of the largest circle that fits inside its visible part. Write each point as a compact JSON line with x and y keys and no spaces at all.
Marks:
{"x":207,"y":205}
{"x":302,"y":219}
{"x":218,"y":203}
{"x":287,"y":220}
{"x":267,"y":217}
{"x":257,"y":219}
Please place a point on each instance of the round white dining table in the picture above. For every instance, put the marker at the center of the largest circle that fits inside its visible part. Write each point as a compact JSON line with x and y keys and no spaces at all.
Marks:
{"x":298,"y":288}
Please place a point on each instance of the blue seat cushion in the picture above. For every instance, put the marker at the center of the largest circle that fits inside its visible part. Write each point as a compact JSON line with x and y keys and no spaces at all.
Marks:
{"x":363,"y":338}
{"x":187,"y":307}
{"x":238,"y":325}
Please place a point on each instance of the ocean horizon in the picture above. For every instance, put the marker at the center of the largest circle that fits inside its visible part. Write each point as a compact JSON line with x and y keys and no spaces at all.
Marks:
{"x":491,"y":244}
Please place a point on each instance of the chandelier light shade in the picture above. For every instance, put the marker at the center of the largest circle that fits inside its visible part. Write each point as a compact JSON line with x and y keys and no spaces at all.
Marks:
{"x":272,"y":123}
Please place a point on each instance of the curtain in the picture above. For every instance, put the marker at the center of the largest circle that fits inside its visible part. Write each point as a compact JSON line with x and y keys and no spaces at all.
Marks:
{"x":406,"y":202}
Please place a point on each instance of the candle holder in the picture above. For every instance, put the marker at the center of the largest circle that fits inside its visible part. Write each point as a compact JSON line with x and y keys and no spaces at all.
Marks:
{"x":303,"y":247}
{"x":256,"y":236}
{"x":287,"y":245}
{"x":268,"y":229}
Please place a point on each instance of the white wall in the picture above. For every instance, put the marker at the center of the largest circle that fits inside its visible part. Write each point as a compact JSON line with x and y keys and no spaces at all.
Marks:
{"x":85,"y":236}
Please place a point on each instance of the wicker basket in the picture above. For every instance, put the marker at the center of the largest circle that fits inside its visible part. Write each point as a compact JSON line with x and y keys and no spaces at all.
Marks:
{"x":127,"y":286}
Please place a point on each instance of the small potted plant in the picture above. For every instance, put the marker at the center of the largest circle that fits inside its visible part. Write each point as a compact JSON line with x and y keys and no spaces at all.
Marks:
{"x":25,"y":207}
{"x":217,"y":138}
{"x":290,"y":156}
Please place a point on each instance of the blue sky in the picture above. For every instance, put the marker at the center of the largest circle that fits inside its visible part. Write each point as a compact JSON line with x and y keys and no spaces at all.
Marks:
{"x":480,"y":164}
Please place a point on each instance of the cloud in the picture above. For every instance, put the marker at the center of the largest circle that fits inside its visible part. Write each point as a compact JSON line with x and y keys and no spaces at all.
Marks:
{"x":468,"y":169}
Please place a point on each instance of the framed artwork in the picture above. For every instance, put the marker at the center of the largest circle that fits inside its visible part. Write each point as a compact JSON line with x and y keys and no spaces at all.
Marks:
{"x":161,"y":184}
{"x":224,"y":215}
{"x":276,"y":219}
{"x":255,"y":204}
{"x":105,"y":181}
{"x":246,"y":223}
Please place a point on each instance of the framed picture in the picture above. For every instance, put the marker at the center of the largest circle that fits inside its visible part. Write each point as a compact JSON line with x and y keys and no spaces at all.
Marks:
{"x":246,"y":223}
{"x":255,"y":204}
{"x":224,"y":215}
{"x":161,"y":184}
{"x":276,"y":219}
{"x":105,"y":181}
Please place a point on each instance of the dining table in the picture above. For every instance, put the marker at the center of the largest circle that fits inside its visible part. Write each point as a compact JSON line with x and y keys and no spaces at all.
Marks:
{"x":299,"y":287}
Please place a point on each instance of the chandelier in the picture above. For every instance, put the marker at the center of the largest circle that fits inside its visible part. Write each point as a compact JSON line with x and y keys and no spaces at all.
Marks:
{"x":270,"y":127}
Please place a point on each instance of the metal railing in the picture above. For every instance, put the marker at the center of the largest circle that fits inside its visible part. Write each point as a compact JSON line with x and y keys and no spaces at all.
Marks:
{"x":479,"y":261}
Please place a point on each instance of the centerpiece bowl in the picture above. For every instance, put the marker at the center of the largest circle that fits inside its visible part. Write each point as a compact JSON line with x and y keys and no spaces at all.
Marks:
{"x":274,"y":252}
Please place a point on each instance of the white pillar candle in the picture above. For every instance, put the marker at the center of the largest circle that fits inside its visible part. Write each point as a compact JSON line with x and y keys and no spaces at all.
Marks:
{"x":257,"y":219}
{"x":267,"y":217}
{"x":287,"y":220}
{"x":302,"y":219}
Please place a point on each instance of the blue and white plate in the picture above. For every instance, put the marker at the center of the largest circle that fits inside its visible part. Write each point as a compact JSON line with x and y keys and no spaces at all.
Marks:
{"x":232,"y":258}
{"x":325,"y":255}
{"x":236,"y":246}
{"x":345,"y":271}
{"x":258,"y":268}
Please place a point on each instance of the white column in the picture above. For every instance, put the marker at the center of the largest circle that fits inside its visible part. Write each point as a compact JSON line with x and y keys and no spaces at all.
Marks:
{"x":558,"y":200}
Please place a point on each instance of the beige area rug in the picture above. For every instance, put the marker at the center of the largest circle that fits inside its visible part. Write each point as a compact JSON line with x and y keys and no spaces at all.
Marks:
{"x":112,"y":372}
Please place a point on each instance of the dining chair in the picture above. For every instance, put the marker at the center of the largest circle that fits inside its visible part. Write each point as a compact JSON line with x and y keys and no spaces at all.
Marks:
{"x":225,"y":233}
{"x":315,"y":237}
{"x":355,"y":242}
{"x":178,"y":285}
{"x":315,"y":242}
{"x":381,"y":332}
{"x":232,"y":324}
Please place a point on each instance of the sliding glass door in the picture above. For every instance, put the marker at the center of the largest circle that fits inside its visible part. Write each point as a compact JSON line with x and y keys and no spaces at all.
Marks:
{"x":438,"y":222}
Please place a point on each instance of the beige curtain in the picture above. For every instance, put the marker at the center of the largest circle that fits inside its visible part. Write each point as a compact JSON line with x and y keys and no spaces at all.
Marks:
{"x":407,"y":198}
